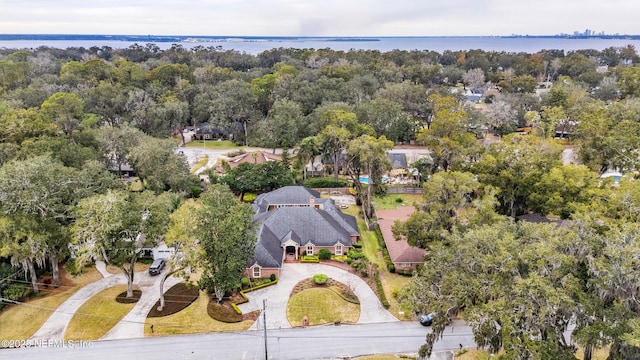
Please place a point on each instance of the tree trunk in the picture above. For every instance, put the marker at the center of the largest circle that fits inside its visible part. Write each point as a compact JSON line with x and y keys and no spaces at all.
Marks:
{"x":164,"y":278}
{"x":368,"y":199}
{"x":128,"y":270}
{"x":34,"y":276}
{"x":53,"y":258}
{"x":219,"y":293}
{"x":335,"y":167}
{"x":588,"y":352}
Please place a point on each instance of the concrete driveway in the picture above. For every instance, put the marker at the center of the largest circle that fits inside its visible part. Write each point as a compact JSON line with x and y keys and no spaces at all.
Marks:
{"x":371,"y":310}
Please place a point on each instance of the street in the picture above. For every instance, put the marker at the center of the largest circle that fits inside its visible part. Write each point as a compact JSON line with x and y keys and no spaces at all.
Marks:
{"x":322,"y":342}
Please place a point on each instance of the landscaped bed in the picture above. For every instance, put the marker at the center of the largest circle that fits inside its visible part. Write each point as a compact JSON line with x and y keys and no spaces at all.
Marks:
{"x":177,"y":298}
{"x":192,"y":319}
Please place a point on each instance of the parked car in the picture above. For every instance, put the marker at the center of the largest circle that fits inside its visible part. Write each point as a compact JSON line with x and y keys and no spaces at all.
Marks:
{"x":427,"y":319}
{"x":156,"y":267}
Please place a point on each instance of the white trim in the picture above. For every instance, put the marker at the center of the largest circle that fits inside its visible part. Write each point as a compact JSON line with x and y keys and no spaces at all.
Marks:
{"x":259,"y":272}
{"x":338,"y":249}
{"x":309,"y":249}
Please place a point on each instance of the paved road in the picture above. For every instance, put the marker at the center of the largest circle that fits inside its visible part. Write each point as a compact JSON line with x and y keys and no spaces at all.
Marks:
{"x":323,"y":342}
{"x":371,"y":310}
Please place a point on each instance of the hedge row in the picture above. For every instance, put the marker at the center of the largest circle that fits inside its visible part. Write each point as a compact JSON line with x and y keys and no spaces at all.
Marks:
{"x":244,"y":297}
{"x":309,"y":259}
{"x":387,"y":260}
{"x":381,"y":295}
{"x":324,"y":183}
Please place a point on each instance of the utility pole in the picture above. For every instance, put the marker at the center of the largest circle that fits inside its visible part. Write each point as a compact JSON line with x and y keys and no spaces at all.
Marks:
{"x":264,"y":323}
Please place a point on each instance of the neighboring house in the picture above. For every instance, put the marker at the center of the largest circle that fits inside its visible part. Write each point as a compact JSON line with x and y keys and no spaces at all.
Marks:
{"x":206,"y":131}
{"x":613,"y":174}
{"x":125,"y":170}
{"x":315,"y":167}
{"x":295,"y":221}
{"x":403,"y":256}
{"x":253,"y":157}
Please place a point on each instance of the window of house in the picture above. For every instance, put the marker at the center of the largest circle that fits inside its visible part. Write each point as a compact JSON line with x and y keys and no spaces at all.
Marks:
{"x":256,"y":272}
{"x":338,"y":250}
{"x":309,"y":249}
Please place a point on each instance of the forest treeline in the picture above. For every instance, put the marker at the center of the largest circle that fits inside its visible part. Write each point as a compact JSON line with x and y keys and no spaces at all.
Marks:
{"x":69,"y":115}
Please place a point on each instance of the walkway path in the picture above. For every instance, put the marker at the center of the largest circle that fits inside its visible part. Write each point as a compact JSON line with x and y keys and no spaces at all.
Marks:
{"x":371,"y":310}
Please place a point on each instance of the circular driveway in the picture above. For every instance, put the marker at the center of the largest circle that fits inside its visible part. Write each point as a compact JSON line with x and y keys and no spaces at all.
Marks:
{"x":277,"y":296}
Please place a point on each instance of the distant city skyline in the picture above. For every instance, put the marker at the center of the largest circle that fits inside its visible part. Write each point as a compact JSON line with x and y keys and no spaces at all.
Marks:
{"x":320,"y":18}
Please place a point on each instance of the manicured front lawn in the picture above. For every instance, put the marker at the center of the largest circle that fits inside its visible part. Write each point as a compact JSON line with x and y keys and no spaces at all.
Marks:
{"x":390,"y":201}
{"x":98,"y":315}
{"x":321,"y":306}
{"x":192,"y":319}
{"x":20,"y":322}
{"x":212,"y":144}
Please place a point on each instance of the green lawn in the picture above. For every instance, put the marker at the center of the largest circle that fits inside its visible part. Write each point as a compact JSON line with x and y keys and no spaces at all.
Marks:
{"x":202,"y":162}
{"x":192,"y":319}
{"x":321,"y":306}
{"x":213,"y":144}
{"x":20,"y":322}
{"x":389,"y":201}
{"x":98,"y":315}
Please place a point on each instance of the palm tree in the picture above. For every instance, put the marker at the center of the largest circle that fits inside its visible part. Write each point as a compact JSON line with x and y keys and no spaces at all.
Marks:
{"x":307,"y":151}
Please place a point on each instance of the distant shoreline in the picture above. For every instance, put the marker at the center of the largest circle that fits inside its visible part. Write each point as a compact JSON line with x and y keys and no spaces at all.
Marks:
{"x":210,"y":39}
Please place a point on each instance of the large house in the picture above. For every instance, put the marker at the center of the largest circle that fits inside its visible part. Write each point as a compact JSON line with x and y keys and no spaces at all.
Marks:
{"x":403,"y":256}
{"x":295,"y":221}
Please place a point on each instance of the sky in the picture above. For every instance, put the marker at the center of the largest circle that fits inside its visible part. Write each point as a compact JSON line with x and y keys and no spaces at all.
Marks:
{"x":319,"y":17}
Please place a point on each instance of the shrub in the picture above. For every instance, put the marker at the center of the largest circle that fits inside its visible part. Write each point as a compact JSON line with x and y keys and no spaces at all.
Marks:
{"x":320,"y":279}
{"x":324,"y":183}
{"x":399,"y":200}
{"x":245,"y":282}
{"x":404,"y":272}
{"x":383,"y":298}
{"x":387,"y":260}
{"x":195,"y":191}
{"x":355,"y":255}
{"x":309,"y":259}
{"x":236,"y":153}
{"x":324,"y":254}
{"x":272,"y":277}
{"x":16,"y":292}
{"x":249,"y":197}
{"x":72,"y":268}
{"x":357,"y":246}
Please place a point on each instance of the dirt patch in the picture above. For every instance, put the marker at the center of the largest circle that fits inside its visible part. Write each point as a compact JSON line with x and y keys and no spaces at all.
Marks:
{"x":177,"y":298}
{"x":226,"y":313}
{"x":123,"y":299}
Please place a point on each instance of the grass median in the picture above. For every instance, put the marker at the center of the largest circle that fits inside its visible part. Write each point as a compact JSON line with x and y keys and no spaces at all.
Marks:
{"x":98,"y":315}
{"x":320,"y":306}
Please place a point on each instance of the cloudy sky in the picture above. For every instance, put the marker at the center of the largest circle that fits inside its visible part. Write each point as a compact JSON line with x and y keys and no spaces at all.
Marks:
{"x":319,"y":17}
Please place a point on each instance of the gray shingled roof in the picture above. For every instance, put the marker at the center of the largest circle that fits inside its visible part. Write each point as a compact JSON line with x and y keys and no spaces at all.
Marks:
{"x":285,"y":195}
{"x":268,"y":252}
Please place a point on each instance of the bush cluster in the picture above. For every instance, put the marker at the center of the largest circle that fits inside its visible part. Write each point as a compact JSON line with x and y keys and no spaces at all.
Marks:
{"x":16,"y":292}
{"x":381,"y":295}
{"x":320,"y":183}
{"x":249,"y":197}
{"x":387,"y":260}
{"x":320,"y":279}
{"x":324,"y":254}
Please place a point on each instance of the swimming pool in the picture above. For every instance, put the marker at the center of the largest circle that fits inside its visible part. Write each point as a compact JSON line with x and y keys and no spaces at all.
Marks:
{"x":365,"y":179}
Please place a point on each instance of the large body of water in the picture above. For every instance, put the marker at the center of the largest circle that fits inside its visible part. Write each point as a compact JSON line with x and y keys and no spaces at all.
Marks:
{"x":257,"y":45}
